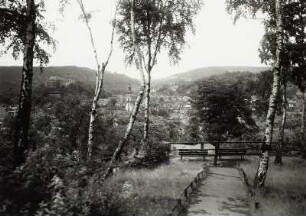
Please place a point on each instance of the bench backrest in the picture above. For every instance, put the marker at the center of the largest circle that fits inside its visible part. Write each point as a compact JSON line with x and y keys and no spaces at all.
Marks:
{"x":233,"y":150}
{"x":198,"y":151}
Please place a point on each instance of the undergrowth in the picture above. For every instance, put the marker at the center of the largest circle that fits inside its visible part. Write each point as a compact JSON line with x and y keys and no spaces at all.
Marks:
{"x":285,"y":187}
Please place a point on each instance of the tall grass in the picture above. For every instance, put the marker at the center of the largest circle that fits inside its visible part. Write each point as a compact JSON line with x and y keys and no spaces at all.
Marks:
{"x":285,"y":191}
{"x":154,"y":192}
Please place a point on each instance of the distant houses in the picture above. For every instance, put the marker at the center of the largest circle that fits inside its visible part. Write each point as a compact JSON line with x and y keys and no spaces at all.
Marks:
{"x":12,"y":110}
{"x":124,"y":101}
{"x":54,"y":83}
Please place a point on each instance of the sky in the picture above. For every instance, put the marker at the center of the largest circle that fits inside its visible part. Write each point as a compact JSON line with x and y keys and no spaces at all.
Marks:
{"x":217,"y":41}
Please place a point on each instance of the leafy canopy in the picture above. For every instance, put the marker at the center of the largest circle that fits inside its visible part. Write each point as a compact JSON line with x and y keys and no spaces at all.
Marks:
{"x":159,"y":24}
{"x":13,"y":21}
{"x":223,"y":109}
{"x":293,"y":55}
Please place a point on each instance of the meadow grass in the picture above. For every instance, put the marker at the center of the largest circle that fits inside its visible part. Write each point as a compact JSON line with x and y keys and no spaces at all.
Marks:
{"x":285,"y":188}
{"x":155,"y":191}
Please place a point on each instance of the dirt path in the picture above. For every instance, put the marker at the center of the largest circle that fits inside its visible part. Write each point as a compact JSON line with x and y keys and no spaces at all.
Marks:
{"x":221,"y":193}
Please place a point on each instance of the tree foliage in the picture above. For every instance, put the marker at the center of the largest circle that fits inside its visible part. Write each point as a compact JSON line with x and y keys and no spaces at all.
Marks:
{"x":262,"y":93}
{"x":294,"y":42}
{"x":247,"y":8}
{"x":158,"y":24}
{"x":13,"y":30}
{"x":224,"y":110}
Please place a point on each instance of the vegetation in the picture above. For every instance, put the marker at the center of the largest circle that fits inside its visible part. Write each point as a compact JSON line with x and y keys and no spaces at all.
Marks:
{"x":284,"y":193}
{"x":114,"y":83}
{"x":155,"y":192}
{"x":22,"y":30}
{"x":223,"y":112}
{"x":281,"y":47}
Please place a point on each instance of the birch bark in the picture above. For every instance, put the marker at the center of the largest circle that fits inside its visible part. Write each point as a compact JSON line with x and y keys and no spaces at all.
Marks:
{"x":263,"y":165}
{"x":99,"y":77}
{"x":140,"y":67}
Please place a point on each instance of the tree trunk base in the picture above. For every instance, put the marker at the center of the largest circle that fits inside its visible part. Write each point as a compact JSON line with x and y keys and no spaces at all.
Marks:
{"x":278,"y":160}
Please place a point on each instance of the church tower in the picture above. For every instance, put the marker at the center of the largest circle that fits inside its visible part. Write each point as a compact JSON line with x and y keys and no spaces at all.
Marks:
{"x":129,"y":102}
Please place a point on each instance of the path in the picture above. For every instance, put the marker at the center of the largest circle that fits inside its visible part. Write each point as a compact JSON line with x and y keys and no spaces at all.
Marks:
{"x":221,"y":193}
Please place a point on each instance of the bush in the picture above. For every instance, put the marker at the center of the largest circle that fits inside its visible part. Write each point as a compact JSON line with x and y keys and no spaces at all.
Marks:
{"x":93,"y":199}
{"x":51,"y":183}
{"x":157,"y":153}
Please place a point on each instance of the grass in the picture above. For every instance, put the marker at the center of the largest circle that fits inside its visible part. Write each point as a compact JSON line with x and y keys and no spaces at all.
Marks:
{"x":285,"y":191}
{"x":154,"y":192}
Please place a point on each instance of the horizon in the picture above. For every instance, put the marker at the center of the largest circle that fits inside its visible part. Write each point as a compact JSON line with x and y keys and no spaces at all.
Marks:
{"x":154,"y":79}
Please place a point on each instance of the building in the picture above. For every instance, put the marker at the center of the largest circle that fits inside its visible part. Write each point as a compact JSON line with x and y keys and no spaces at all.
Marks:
{"x":13,"y":110}
{"x":55,"y":82}
{"x":130,"y":100}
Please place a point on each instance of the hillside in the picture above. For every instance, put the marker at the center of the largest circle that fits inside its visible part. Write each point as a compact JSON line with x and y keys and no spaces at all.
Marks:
{"x":10,"y":77}
{"x":205,"y":72}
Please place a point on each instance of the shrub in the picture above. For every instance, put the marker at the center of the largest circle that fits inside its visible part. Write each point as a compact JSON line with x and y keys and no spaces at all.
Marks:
{"x":157,"y":153}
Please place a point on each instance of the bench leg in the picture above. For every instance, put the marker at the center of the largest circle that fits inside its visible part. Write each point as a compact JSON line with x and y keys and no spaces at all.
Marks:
{"x":181,"y":157}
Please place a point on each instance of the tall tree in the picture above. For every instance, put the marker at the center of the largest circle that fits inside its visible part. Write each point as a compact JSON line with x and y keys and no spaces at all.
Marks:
{"x":23,"y":30}
{"x":273,"y":11}
{"x":266,"y":145}
{"x":99,"y":76}
{"x":224,"y":111}
{"x":23,"y":117}
{"x":140,"y":67}
{"x":293,"y":54}
{"x":159,"y":25}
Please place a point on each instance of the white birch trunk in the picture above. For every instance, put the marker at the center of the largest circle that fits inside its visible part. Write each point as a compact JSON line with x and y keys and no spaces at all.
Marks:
{"x":263,"y":165}
{"x":99,"y":78}
{"x":23,"y":116}
{"x":151,"y":60}
{"x":146,"y":126}
{"x":147,"y":108}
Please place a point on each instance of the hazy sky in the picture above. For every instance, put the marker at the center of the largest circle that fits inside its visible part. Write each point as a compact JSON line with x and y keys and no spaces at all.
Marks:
{"x":217,"y":42}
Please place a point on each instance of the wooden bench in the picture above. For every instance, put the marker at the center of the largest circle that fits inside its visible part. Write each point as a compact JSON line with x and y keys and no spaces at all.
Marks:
{"x":106,"y":157}
{"x":192,"y":152}
{"x":232,"y":151}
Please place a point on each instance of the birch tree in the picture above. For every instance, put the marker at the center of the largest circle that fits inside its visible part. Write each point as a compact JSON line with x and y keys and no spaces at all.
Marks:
{"x":158,"y":25}
{"x":266,"y":145}
{"x":267,"y":53}
{"x":23,"y":116}
{"x":293,"y":58}
{"x":139,"y":64}
{"x":100,"y":70}
{"x":23,"y":30}
{"x":273,"y":10}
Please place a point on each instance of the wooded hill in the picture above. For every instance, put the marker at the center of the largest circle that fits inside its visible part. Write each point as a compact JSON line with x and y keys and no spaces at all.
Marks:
{"x":10,"y":78}
{"x":205,"y":72}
